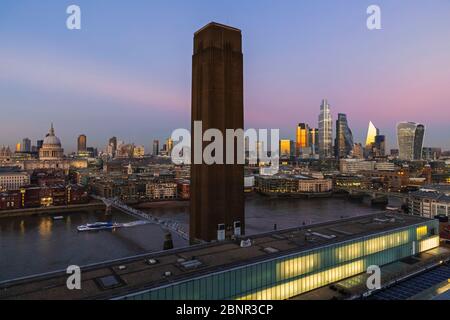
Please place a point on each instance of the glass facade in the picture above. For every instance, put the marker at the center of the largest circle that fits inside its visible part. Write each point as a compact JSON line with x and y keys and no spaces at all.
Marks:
{"x":302,"y":138}
{"x":372,"y":132}
{"x":286,"y":148}
{"x":410,"y":140}
{"x":344,"y":137}
{"x":325,"y":131}
{"x":288,"y":276}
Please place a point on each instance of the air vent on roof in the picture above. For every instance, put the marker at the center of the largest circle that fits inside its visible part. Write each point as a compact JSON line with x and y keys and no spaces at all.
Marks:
{"x":381,"y":220}
{"x":271,"y":250}
{"x":109,"y":282}
{"x":246,"y":243}
{"x":324,"y":236}
{"x":341,"y":231}
{"x":151,"y":261}
{"x":191,"y":264}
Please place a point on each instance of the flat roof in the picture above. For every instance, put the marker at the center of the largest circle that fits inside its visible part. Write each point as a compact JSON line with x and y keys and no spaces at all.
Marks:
{"x":13,"y":173}
{"x":214,"y":257}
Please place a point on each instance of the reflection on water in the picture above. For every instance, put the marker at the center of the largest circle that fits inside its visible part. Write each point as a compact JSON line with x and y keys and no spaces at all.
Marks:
{"x":30,"y":245}
{"x":22,"y":227}
{"x":45,"y":227}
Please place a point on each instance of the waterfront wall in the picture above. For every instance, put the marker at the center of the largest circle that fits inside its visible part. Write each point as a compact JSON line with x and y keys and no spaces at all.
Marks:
{"x":56,"y":209}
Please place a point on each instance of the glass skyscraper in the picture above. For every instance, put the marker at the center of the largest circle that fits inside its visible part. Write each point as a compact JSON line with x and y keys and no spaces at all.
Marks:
{"x":410,"y":140}
{"x":325,"y":131}
{"x":344,"y":137}
{"x":313,"y":140}
{"x":302,"y":140}
{"x":372,"y":132}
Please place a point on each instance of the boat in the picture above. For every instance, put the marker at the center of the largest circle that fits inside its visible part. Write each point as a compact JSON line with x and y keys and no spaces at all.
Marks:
{"x":393,"y":208}
{"x":98,"y":226}
{"x":58,"y":218}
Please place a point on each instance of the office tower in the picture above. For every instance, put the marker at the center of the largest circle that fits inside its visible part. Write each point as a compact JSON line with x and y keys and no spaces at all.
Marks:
{"x":91,"y":152}
{"x":410,"y":140}
{"x":82,"y":140}
{"x":169,"y":146}
{"x":286,"y":148}
{"x":301,"y":138}
{"x":155,"y":147}
{"x":395,"y":153}
{"x":112,"y":146}
{"x":26,"y":145}
{"x":372,"y":132}
{"x":431,"y":153}
{"x":313,"y":140}
{"x":379,"y":147}
{"x":39,"y":143}
{"x":358,"y":151}
{"x":325,"y":131}
{"x":138,"y":151}
{"x":344,"y":137}
{"x":217,"y":197}
{"x":18,"y":147}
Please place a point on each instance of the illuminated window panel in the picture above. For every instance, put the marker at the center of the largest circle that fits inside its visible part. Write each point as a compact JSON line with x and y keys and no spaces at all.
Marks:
{"x":308,"y":283}
{"x":429,"y":244}
{"x":297,"y":266}
{"x":422,"y":232}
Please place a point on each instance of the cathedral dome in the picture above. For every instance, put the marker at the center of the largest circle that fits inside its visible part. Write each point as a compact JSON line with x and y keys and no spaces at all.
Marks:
{"x":52,"y":140}
{"x":51,"y":148}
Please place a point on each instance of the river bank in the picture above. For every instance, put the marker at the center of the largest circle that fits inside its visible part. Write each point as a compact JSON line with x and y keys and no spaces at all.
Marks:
{"x":94,"y":205}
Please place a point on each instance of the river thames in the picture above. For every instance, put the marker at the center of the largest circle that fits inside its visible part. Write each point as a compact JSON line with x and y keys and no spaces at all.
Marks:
{"x":38,"y":244}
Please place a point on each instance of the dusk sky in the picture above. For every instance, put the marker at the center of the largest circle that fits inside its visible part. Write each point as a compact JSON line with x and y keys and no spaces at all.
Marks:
{"x":127,"y":72}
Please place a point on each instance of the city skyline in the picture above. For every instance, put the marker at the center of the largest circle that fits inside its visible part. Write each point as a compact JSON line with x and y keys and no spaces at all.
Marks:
{"x":264,"y":182}
{"x":385,"y":76}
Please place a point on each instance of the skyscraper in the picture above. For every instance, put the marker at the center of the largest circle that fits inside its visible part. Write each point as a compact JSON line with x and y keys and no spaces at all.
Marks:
{"x":82,"y":141}
{"x":379,"y":147}
{"x":372,"y":132}
{"x":313,"y":140}
{"x":26,"y":145}
{"x":358,"y":151}
{"x":155,"y":147}
{"x":302,"y":138}
{"x":344,"y":137}
{"x":112,"y":146}
{"x":286,"y":148}
{"x":217,"y":197}
{"x":410,"y":140}
{"x":325,"y":131}
{"x":169,"y":145}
